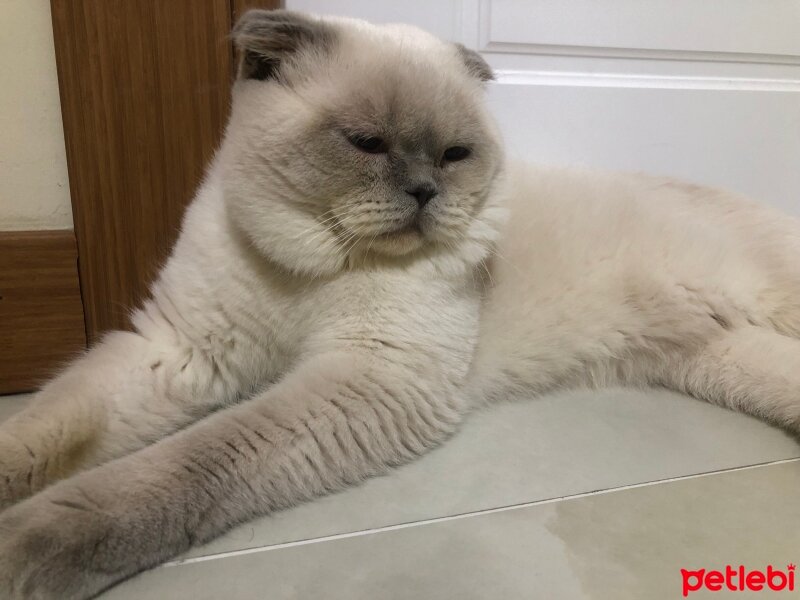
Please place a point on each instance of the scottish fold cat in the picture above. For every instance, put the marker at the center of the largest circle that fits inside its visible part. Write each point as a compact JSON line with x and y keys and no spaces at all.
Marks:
{"x":360,"y":268}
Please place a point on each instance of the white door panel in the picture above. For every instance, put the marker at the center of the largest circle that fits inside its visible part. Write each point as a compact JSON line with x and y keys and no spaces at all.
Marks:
{"x":767,"y":29}
{"x":733,"y":139}
{"x":706,"y":90}
{"x":440,"y":17}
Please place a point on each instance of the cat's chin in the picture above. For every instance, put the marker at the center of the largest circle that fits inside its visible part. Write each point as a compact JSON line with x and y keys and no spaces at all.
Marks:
{"x":399,"y":242}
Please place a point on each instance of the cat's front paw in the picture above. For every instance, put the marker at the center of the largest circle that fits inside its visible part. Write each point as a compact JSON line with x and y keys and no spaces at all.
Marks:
{"x":49,"y":547}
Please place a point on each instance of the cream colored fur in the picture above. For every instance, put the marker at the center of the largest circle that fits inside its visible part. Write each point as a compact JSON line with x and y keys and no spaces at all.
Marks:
{"x":299,"y":339}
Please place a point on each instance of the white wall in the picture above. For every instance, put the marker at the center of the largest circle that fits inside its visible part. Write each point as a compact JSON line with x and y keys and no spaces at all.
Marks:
{"x":34,"y":189}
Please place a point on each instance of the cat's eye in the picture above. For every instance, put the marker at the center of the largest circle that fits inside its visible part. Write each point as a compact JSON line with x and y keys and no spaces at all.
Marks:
{"x":456,"y":153}
{"x":371,"y":144}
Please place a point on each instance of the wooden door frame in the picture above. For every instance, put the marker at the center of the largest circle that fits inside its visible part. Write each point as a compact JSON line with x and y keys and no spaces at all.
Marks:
{"x":141,"y":121}
{"x":41,"y":314}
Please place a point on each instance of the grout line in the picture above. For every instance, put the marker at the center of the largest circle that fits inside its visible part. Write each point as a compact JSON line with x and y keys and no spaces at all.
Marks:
{"x":476,"y":513}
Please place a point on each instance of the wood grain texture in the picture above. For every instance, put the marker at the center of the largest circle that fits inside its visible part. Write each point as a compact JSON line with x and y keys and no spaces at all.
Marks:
{"x":145,"y":93}
{"x":41,"y":316}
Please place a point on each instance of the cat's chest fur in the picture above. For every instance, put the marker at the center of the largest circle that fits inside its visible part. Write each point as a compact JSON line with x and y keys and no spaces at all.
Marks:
{"x":251,"y":322}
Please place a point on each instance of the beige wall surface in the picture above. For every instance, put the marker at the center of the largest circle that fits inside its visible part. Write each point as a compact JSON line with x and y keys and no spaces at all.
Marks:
{"x":34,"y":188}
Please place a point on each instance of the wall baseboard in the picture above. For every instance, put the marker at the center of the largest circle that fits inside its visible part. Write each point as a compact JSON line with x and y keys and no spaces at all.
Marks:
{"x":41,"y":313}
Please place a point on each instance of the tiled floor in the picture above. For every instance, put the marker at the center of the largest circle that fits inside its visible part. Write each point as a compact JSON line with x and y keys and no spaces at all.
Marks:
{"x":581,"y":495}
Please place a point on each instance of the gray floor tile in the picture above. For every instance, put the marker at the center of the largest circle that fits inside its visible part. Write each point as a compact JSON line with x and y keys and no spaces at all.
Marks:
{"x":627,"y":544}
{"x":547,"y":448}
{"x":551,"y":447}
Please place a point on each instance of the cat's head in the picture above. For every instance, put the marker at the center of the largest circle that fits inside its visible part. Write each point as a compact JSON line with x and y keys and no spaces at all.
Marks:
{"x":353,"y":142}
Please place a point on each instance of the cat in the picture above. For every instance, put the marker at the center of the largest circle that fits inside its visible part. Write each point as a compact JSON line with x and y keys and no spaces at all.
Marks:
{"x":360,"y":269}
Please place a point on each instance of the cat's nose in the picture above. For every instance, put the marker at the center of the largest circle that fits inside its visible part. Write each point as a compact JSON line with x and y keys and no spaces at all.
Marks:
{"x":423,"y":193}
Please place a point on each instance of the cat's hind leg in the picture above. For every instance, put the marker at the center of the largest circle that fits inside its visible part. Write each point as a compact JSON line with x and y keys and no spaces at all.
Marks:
{"x":751,"y":369}
{"x":122,"y":395}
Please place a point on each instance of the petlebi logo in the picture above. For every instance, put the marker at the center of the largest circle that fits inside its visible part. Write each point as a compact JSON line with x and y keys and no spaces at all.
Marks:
{"x":739,"y":579}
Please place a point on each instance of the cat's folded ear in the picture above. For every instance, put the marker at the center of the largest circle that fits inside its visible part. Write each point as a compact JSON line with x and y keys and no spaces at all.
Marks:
{"x":267,"y":38}
{"x":476,"y":66}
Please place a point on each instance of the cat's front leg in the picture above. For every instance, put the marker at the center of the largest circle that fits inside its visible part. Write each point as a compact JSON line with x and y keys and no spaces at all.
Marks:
{"x":125,"y":393}
{"x":336,"y":420}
